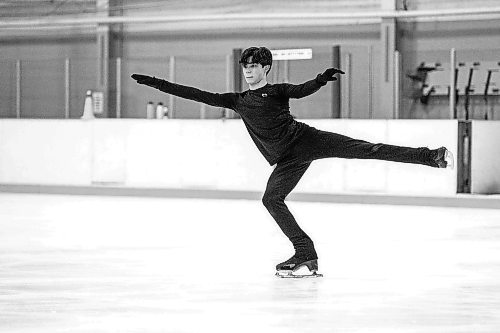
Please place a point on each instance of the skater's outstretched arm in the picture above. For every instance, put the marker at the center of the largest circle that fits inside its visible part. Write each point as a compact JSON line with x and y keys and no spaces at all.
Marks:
{"x":311,"y":86}
{"x":226,"y":100}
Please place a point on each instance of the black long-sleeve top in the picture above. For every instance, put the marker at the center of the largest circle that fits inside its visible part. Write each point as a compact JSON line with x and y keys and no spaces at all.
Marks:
{"x":264,"y":111}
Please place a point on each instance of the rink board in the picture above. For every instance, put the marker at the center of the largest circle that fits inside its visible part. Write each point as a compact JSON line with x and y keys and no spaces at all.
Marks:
{"x":210,"y":154}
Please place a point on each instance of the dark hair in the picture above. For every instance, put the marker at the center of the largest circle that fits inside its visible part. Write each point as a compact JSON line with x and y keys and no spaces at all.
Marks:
{"x":260,"y":55}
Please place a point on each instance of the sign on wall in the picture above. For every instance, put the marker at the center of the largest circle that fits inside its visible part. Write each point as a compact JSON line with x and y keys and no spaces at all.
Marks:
{"x":292,"y":54}
{"x":98,"y":98}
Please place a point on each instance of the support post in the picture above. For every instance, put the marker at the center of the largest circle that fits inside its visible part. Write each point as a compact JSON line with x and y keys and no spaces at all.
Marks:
{"x":370,"y":82}
{"x":103,"y":40}
{"x":397,"y":84}
{"x":228,"y":113}
{"x":18,"y":89}
{"x":67,"y":88}
{"x":237,"y":75}
{"x":346,"y":87}
{"x":336,"y":86}
{"x":453,"y":87}
{"x":388,"y":34}
{"x":388,"y":40}
{"x":118,"y":106}
{"x":171,"y":78}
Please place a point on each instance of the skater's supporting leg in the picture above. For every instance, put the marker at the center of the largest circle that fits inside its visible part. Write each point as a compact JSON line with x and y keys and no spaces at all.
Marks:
{"x":317,"y":144}
{"x":282,"y":181}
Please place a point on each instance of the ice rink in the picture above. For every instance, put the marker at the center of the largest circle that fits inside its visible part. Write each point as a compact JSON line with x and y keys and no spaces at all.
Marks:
{"x":130,"y":264}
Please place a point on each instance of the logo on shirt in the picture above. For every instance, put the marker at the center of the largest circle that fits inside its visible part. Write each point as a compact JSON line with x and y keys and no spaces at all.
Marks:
{"x":264,"y":95}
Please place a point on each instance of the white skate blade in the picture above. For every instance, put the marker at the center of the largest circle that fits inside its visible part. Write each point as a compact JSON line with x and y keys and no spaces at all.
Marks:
{"x":302,"y":272}
{"x":450,"y":160}
{"x":294,"y":276}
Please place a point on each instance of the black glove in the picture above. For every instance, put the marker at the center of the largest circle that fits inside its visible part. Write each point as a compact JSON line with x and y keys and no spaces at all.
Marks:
{"x":328,"y":75}
{"x":147,"y":80}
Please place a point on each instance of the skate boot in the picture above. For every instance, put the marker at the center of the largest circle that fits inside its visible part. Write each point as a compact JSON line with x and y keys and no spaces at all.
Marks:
{"x":297,"y":267}
{"x":443,"y":158}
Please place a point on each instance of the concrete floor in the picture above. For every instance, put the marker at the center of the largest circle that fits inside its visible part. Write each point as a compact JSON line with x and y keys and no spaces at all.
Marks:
{"x":124,"y":264}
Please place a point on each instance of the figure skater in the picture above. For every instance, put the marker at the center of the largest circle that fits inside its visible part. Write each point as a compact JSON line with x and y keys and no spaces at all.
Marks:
{"x":292,"y":145}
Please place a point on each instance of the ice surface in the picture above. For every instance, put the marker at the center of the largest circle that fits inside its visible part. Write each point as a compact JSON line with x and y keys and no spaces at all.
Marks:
{"x":123,"y":264}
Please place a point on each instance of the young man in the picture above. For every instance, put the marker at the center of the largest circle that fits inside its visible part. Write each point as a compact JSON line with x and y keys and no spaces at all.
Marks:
{"x":290,"y":144}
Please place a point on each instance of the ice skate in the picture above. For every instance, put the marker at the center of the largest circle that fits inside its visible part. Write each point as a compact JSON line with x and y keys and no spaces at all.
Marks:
{"x":298,"y":268}
{"x":444,"y":158}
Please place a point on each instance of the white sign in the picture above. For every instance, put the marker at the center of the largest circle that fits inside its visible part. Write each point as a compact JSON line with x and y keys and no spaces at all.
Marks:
{"x":98,"y":98}
{"x":292,"y":54}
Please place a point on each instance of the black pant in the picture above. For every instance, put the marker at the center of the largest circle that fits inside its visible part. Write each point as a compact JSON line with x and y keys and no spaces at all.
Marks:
{"x":316,"y":144}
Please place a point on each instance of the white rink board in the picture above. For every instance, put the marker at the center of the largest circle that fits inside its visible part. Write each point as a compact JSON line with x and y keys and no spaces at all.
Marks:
{"x":210,"y":154}
{"x":485,"y":157}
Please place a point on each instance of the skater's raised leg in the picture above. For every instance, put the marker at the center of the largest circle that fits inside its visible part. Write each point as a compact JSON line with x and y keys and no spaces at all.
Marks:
{"x":318,"y":144}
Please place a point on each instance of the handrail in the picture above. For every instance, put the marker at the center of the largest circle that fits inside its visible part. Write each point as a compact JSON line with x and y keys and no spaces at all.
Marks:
{"x":342,"y":18}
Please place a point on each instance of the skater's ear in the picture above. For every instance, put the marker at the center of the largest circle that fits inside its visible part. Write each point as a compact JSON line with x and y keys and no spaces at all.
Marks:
{"x":267,"y":69}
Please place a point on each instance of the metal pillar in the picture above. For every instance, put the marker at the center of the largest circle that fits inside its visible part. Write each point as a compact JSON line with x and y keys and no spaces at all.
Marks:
{"x":171,"y":78}
{"x":397,"y":84}
{"x":336,"y":86}
{"x":388,"y":34}
{"x":67,"y":88}
{"x":388,"y":43}
{"x":228,"y":113}
{"x":18,"y":89}
{"x":103,"y":39}
{"x":118,"y":102}
{"x":453,"y":87}
{"x":237,"y":75}
{"x":370,"y":82}
{"x":346,"y":104}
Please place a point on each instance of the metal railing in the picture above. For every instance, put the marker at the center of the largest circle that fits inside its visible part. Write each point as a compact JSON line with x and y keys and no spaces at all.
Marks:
{"x":298,"y":19}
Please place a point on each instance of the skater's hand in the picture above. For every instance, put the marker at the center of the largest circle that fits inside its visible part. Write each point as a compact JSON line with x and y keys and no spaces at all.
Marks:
{"x":146,"y":80}
{"x":328,"y":75}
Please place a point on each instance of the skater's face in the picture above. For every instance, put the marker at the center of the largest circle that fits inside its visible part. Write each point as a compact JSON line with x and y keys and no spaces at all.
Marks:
{"x":254,"y":73}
